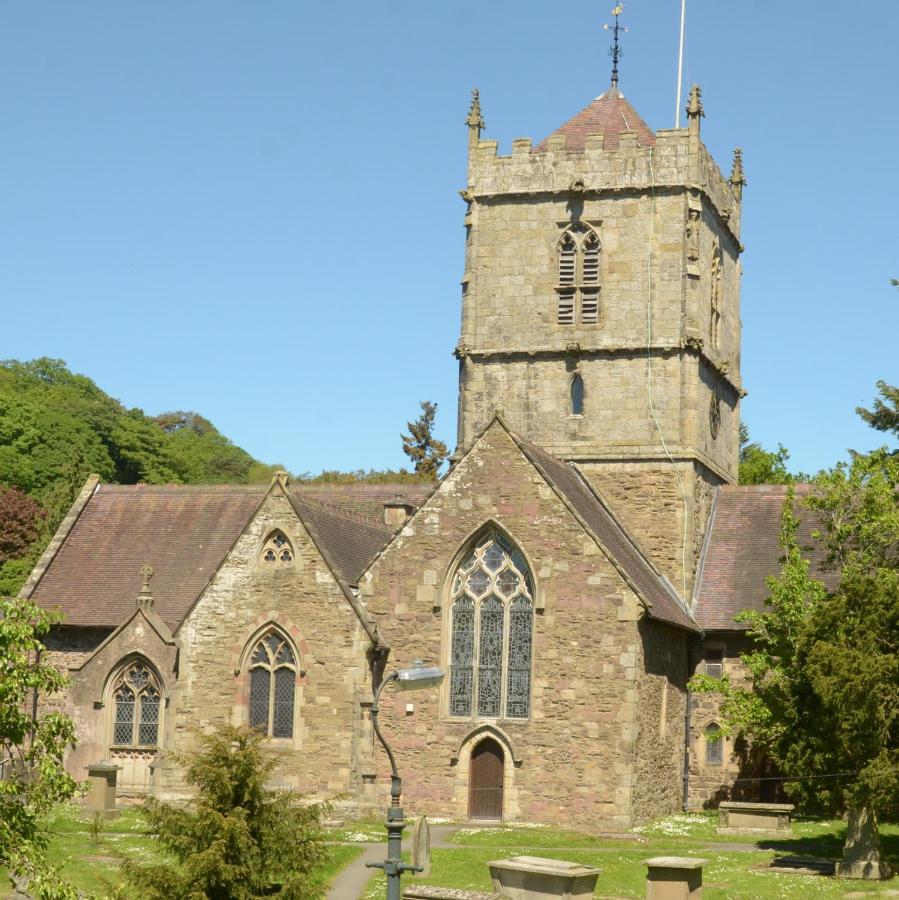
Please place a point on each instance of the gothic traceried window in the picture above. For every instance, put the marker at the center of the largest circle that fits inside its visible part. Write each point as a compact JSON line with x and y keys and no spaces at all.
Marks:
{"x":137,"y":707}
{"x":491,"y":625}
{"x":580,"y":277}
{"x":273,"y":674}
{"x":277,"y":549}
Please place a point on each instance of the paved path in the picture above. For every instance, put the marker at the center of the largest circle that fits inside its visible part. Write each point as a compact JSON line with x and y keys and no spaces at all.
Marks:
{"x":350,"y":883}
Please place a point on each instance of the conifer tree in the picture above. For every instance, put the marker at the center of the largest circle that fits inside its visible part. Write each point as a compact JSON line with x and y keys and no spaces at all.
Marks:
{"x":420,"y":445}
{"x":237,"y":840}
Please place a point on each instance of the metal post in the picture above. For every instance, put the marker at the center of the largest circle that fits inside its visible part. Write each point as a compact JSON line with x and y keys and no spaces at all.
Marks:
{"x":393,"y":866}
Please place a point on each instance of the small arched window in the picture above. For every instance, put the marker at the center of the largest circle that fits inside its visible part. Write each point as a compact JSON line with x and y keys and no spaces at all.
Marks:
{"x":577,"y":395}
{"x":273,"y":675}
{"x":580,"y":276}
{"x":714,"y":744}
{"x":137,"y":703}
{"x":277,"y":549}
{"x":492,"y":625}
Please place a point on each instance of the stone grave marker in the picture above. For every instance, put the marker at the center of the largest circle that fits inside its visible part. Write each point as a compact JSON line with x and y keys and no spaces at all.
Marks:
{"x":421,"y":845}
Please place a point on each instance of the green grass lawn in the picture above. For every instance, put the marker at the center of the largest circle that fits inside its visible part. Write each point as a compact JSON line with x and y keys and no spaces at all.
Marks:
{"x":91,"y":860}
{"x":739,"y":874}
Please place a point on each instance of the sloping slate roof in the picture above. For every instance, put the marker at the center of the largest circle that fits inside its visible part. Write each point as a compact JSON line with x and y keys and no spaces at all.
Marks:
{"x":610,"y":115}
{"x":364,"y":500}
{"x":743,"y":548}
{"x":185,"y":532}
{"x":349,"y":545}
{"x":664,"y":603}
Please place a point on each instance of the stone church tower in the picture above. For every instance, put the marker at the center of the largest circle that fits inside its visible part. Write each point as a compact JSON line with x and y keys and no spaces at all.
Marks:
{"x":601,"y":313}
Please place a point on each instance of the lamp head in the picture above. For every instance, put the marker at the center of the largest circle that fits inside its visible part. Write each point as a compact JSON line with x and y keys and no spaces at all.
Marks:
{"x":418,"y":676}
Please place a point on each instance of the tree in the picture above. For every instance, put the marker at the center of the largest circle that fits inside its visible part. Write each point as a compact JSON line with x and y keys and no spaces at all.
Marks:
{"x":760,"y":466}
{"x":32,"y":775}
{"x":824,"y":670}
{"x":20,"y":519}
{"x":237,"y":840}
{"x":885,"y":415}
{"x":420,"y":445}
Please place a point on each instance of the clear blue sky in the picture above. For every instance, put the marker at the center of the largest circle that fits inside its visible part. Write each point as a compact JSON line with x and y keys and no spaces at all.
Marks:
{"x":251,"y":209}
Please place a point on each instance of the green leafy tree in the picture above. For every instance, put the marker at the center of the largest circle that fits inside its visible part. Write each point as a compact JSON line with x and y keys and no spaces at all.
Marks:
{"x":237,"y":840}
{"x":885,"y":414}
{"x":32,"y":748}
{"x":426,"y":452}
{"x":760,"y":466}
{"x":824,"y":670}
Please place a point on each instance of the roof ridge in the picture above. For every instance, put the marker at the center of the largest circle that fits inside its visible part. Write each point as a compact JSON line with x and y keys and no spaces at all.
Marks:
{"x":356,"y":518}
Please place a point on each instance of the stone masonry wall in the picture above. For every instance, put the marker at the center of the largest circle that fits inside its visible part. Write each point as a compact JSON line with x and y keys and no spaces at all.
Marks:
{"x":661,"y":691}
{"x":571,"y":761}
{"x":712,"y":782}
{"x":331,"y":747}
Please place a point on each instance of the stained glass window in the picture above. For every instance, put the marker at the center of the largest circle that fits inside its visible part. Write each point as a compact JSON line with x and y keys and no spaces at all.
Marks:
{"x":137,"y":707}
{"x":273,"y":677}
{"x":277,"y":549}
{"x":492,"y":625}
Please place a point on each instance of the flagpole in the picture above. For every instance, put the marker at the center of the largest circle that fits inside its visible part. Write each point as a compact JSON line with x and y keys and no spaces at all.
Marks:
{"x":680,"y":63}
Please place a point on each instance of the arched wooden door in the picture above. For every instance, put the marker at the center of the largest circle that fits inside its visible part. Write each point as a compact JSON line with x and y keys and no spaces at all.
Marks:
{"x":485,"y":792}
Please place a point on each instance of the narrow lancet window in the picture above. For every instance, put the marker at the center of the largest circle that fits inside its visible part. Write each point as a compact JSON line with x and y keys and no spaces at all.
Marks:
{"x":714,"y":744}
{"x":715,"y":299}
{"x":492,"y":624}
{"x":577,"y":395}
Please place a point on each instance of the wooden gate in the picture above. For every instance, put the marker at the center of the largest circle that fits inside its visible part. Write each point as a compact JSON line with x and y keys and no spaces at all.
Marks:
{"x":485,"y":793}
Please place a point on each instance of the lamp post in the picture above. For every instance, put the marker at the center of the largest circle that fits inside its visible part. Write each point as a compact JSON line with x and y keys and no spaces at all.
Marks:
{"x":413,"y":679}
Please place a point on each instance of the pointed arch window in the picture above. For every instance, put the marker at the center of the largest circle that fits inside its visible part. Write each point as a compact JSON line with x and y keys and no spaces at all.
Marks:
{"x":277,"y":549}
{"x":137,"y":706}
{"x":491,"y":622}
{"x":714,"y":744}
{"x":577,"y":395}
{"x":580,"y":276}
{"x":273,"y":676}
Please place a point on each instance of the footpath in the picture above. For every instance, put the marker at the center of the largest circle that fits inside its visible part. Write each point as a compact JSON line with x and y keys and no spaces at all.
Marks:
{"x":350,"y":883}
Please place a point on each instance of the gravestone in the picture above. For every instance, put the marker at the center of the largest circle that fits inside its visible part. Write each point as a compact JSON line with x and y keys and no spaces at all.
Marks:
{"x":674,"y":878}
{"x":421,"y":845}
{"x":861,"y":852}
{"x":101,"y":795}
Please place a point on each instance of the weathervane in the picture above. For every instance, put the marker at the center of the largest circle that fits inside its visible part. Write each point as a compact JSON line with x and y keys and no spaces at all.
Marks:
{"x":615,"y":50}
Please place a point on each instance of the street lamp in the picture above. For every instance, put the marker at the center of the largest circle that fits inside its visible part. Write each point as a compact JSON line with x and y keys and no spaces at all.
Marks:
{"x":416,"y":678}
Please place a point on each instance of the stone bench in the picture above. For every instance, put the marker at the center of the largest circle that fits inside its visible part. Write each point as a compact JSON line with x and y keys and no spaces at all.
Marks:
{"x":754,"y":818}
{"x":674,"y":878}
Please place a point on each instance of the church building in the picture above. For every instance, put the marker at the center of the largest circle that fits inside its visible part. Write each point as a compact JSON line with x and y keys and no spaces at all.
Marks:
{"x":586,"y":552}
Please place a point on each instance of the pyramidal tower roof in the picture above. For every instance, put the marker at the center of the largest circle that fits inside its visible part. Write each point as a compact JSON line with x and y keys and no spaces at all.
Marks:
{"x":610,"y":115}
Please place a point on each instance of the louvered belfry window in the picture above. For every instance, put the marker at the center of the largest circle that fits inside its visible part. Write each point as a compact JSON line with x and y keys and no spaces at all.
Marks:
{"x":137,"y":706}
{"x":492,"y":626}
{"x":580,"y":277}
{"x":273,"y":675}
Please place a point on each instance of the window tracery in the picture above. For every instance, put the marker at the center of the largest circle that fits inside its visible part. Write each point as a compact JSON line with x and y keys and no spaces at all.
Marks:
{"x":580,"y":276}
{"x":277,"y":549}
{"x":491,"y":623}
{"x":273,"y":672}
{"x":137,"y":705}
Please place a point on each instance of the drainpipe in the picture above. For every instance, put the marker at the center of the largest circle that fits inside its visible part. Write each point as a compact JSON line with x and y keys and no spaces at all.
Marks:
{"x":685,"y":800}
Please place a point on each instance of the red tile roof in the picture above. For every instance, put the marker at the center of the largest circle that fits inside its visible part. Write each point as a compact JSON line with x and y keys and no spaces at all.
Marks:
{"x":743,"y":549}
{"x":610,"y":115}
{"x":184,"y":533}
